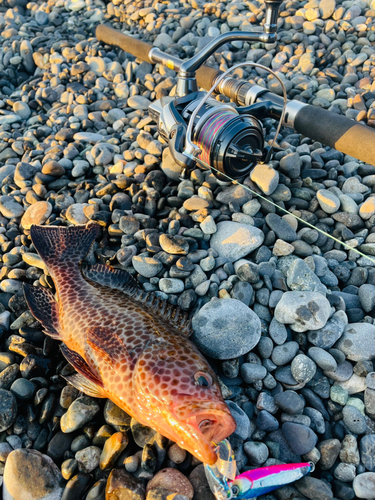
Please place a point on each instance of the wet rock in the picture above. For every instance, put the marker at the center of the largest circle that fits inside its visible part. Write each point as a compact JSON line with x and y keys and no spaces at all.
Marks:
{"x":77,"y":486}
{"x":202,"y":490}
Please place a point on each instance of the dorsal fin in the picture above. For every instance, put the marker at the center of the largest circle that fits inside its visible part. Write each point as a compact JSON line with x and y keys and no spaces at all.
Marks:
{"x":109,"y":276}
{"x":120,"y":279}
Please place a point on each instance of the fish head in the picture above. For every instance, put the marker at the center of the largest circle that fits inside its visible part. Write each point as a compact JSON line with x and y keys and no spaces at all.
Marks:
{"x":178,"y":393}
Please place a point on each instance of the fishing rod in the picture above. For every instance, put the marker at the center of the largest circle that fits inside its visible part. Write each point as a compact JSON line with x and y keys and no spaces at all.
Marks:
{"x":227,"y":139}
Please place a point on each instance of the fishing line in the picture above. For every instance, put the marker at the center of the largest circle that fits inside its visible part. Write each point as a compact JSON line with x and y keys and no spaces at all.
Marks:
{"x":290,"y":213}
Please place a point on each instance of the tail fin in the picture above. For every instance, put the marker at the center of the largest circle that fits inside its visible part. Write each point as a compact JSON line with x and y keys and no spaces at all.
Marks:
{"x":66,"y":246}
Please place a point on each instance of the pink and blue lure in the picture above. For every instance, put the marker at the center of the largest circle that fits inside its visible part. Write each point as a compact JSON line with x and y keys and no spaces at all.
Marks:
{"x":226,"y":486}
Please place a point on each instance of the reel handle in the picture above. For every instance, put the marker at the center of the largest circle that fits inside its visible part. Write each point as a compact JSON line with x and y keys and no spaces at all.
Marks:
{"x":105,"y":33}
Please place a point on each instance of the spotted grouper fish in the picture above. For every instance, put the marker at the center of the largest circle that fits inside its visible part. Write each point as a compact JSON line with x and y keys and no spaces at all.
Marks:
{"x":127,"y":345}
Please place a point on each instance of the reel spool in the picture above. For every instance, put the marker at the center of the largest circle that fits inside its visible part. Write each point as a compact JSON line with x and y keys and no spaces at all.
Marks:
{"x":232,"y":143}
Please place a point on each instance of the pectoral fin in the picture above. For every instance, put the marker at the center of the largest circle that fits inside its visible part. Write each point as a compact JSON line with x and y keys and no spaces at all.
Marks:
{"x":108,"y":345}
{"x":81,"y":366}
{"x":87,"y":386}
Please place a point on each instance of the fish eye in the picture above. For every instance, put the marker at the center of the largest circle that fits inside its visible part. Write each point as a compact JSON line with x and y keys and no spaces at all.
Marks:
{"x":235,"y":490}
{"x":203,"y":379}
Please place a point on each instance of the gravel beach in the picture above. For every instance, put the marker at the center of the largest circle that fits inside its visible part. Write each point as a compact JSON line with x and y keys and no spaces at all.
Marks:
{"x":284,"y":314}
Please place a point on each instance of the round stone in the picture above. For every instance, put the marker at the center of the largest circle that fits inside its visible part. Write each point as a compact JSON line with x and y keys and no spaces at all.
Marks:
{"x":322,"y":358}
{"x":138,"y":102}
{"x":367,"y":451}
{"x":345,"y":472}
{"x":283,"y":354}
{"x":146,"y":266}
{"x":329,"y":450}
{"x":75,"y":213}
{"x":29,"y":474}
{"x":176,"y":245}
{"x":8,"y":409}
{"x":314,"y":488}
{"x":367,"y":209}
{"x":195,"y":203}
{"x":301,"y":438}
{"x":22,"y":109}
{"x":122,"y":485}
{"x":23,"y":389}
{"x":171,"y":285}
{"x":176,"y":454}
{"x":88,"y":458}
{"x":303,"y":368}
{"x":226,"y":329}
{"x":53,"y":168}
{"x":354,"y":420}
{"x":366,"y":295}
{"x":265,"y":177}
{"x":266,"y":421}
{"x":9,"y":208}
{"x":97,"y":65}
{"x":364,"y":485}
{"x":234,"y":240}
{"x":303,"y":311}
{"x":328,"y":201}
{"x":251,"y":372}
{"x":290,"y":402}
{"x":142,"y":434}
{"x":256,"y":451}
{"x":169,"y":166}
{"x":81,"y":411}
{"x":173,"y":481}
{"x":37,"y":213}
{"x":357,"y":342}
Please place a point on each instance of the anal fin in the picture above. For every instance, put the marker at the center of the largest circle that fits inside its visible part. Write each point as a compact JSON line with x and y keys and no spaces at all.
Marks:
{"x":80,"y":365}
{"x":87,"y":386}
{"x":44,"y":308}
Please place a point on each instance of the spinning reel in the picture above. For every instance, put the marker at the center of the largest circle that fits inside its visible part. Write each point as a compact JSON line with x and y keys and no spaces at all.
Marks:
{"x":203,"y":131}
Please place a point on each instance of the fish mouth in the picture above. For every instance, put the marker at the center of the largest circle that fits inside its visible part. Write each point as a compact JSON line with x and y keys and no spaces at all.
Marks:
{"x":210,"y":426}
